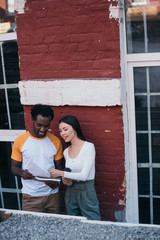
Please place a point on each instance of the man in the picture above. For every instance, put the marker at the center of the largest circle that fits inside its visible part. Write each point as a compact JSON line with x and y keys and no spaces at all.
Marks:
{"x":40,"y":148}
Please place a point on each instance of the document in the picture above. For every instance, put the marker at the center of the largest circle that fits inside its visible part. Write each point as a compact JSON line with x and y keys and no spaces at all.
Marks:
{"x":40,"y":174}
{"x":47,"y":179}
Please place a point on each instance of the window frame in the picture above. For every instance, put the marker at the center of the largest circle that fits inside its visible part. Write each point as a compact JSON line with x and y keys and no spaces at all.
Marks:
{"x":9,"y":135}
{"x":128,"y":62}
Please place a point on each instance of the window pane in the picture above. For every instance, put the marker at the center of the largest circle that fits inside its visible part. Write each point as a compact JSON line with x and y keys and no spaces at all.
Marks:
{"x":19,"y":182}
{"x":153,"y":32}
{"x":140,"y":85}
{"x":7,"y":16}
{"x":16,"y":109}
{"x":7,"y":178}
{"x":156,"y":211}
{"x":3,"y":111}
{"x":142,"y":148}
{"x":1,"y":71}
{"x":155,"y":112}
{"x":144,"y":210}
{"x":154,"y":73}
{"x":142,"y":26}
{"x":11,"y":61}
{"x":10,"y":200}
{"x":135,"y":34}
{"x":156,"y":148}
{"x":156,"y":181}
{"x":141,"y":112}
{"x":143,"y":181}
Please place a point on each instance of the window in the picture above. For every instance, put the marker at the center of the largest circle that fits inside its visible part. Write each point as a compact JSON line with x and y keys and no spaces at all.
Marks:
{"x":142,"y":31}
{"x":147,"y":112}
{"x":11,"y":110}
{"x":143,"y":26}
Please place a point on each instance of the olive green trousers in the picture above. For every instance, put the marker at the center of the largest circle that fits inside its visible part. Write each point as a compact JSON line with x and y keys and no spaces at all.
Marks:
{"x":81,"y":200}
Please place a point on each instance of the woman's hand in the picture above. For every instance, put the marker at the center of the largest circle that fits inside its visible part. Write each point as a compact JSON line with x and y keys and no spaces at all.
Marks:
{"x":54,"y":173}
{"x":66,"y":181}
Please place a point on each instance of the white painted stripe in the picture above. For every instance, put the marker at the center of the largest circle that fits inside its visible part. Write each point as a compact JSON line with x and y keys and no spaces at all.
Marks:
{"x":10,"y":135}
{"x":8,"y":36}
{"x":73,"y":92}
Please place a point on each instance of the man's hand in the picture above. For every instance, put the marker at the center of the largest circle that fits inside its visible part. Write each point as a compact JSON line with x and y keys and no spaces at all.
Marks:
{"x":52,"y":184}
{"x":26,"y":175}
{"x":17,"y":171}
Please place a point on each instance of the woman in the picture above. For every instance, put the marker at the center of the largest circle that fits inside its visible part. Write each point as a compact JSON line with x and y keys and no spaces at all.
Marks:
{"x":80,"y":197}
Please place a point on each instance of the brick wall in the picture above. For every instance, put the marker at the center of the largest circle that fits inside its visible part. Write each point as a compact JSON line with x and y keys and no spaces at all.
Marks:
{"x":104,"y":127}
{"x":77,"y":39}
{"x":68,"y":39}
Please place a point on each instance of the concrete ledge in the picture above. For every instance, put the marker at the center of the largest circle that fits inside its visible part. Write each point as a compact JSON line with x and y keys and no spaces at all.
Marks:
{"x":39,"y":226}
{"x":6,"y":213}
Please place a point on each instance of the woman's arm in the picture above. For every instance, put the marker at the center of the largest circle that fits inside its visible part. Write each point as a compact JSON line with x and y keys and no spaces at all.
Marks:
{"x":88,"y":165}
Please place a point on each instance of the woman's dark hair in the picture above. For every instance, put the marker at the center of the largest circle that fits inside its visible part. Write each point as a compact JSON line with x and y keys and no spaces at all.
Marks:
{"x":43,"y":110}
{"x":73,"y":121}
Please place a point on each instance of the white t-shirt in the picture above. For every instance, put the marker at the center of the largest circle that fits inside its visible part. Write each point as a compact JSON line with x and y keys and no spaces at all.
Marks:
{"x":42,"y":152}
{"x":83,"y":166}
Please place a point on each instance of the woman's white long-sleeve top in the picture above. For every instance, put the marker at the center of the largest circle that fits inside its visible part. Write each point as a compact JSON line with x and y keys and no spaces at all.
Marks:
{"x":83,"y":166}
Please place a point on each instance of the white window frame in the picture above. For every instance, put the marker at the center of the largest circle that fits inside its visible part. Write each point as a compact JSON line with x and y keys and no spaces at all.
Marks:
{"x":9,"y":135}
{"x":8,"y":36}
{"x":132,"y":132}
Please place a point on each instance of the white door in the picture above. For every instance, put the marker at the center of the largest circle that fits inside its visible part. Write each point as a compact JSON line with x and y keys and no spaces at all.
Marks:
{"x":143,"y":100}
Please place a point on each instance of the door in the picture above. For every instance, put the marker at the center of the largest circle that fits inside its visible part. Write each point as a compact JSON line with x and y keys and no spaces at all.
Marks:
{"x":143,"y":87}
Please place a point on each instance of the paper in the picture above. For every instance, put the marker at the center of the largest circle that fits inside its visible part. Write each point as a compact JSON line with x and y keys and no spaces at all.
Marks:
{"x":37,"y":171}
{"x":47,"y":179}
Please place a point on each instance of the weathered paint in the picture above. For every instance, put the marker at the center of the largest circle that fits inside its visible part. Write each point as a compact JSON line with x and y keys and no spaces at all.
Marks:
{"x":72,"y":92}
{"x":114,"y":12}
{"x":120,"y":216}
{"x":19,"y":6}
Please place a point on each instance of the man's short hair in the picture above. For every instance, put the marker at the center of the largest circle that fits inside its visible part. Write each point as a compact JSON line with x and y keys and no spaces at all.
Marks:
{"x":43,"y":110}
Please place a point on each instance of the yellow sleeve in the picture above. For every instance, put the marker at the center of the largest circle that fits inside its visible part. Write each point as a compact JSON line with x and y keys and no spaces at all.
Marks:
{"x":17,"y":147}
{"x":58,"y":145}
{"x":59,"y":148}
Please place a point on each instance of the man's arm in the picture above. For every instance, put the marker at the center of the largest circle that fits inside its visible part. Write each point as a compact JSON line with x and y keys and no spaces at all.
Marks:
{"x":17,"y":171}
{"x":59,"y":164}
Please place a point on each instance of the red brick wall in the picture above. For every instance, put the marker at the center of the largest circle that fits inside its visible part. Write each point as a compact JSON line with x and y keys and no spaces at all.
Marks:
{"x":3,"y":4}
{"x":77,"y":39}
{"x":68,"y":39}
{"x":104,"y":127}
